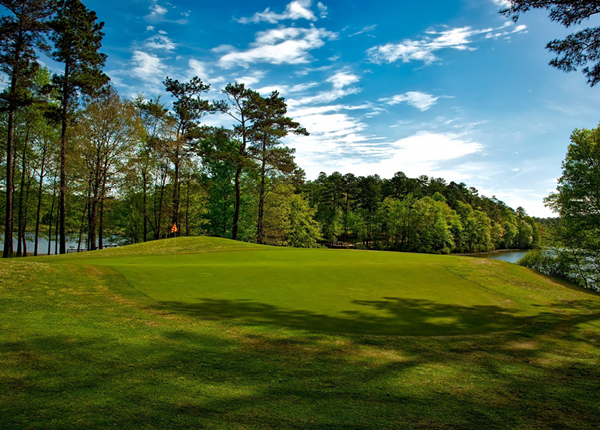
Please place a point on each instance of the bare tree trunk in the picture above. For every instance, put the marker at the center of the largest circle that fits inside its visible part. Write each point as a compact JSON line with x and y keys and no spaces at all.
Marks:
{"x":39,"y":207}
{"x":63,"y":163}
{"x":238,"y":199}
{"x":102,"y":196}
{"x":26,"y":213}
{"x":145,"y":207}
{"x":20,"y":213}
{"x":85,"y":210}
{"x":187,"y":209}
{"x":51,"y":217}
{"x":261,"y":202}
{"x":160,"y":204}
{"x":8,"y":224}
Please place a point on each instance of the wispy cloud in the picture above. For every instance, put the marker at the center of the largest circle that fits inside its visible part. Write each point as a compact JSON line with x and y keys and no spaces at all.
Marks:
{"x":287,"y":45}
{"x":366,"y":29}
{"x":422,"y":153}
{"x":298,"y":9}
{"x":199,"y":69}
{"x":425,"y":49}
{"x":419,"y":100}
{"x":160,"y":42}
{"x":158,"y":14}
{"x":341,"y":83}
{"x":322,"y":10}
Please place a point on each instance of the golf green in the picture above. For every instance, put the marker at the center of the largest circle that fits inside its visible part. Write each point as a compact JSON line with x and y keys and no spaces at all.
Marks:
{"x":323,"y":290}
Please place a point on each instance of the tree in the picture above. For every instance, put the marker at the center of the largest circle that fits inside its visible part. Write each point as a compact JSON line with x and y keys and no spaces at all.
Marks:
{"x":577,"y":200}
{"x":77,"y":38}
{"x":107,"y":132}
{"x":270,"y":126}
{"x":187,"y":109}
{"x":576,"y":50}
{"x":20,"y":36}
{"x":239,"y":108}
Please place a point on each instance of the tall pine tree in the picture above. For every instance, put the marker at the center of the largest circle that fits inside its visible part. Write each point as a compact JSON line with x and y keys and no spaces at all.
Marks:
{"x":77,"y":37}
{"x":20,"y":36}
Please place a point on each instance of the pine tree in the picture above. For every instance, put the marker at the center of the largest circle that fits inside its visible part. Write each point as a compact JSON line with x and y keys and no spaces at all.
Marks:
{"x":20,"y":36}
{"x":77,"y":37}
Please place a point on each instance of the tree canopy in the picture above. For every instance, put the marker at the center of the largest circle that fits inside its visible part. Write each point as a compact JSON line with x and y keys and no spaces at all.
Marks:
{"x":580,"y":49}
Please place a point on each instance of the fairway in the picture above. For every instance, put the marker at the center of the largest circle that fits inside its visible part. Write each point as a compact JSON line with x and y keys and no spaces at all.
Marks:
{"x":211,"y":333}
{"x":322,"y":290}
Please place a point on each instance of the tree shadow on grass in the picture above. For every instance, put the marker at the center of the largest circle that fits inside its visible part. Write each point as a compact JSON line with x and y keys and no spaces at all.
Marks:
{"x":189,"y":378}
{"x":390,"y":316}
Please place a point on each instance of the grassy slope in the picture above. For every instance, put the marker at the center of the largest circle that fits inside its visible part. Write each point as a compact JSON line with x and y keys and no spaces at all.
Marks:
{"x":81,"y":348}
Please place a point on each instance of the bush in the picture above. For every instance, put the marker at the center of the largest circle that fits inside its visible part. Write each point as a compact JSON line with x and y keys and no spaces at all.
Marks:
{"x":549,"y":263}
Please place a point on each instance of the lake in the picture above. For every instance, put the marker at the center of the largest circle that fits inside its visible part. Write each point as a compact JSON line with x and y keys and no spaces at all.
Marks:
{"x":510,"y":256}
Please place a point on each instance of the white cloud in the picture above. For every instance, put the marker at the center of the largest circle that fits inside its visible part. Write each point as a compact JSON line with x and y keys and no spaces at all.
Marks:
{"x":424,"y":49}
{"x":251,"y":78}
{"x":286,"y":89}
{"x":339,"y":81}
{"x":158,"y":14}
{"x":160,"y":42}
{"x":421,"y":101}
{"x":364,"y":30}
{"x":150,"y":28}
{"x":147,"y":67}
{"x":298,"y":9}
{"x":199,"y":69}
{"x":157,"y":10}
{"x":502,"y":3}
{"x":289,"y":45}
{"x":322,"y":10}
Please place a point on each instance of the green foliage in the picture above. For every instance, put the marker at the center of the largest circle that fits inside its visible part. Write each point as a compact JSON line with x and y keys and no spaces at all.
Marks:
{"x":549,"y":262}
{"x":577,"y":200}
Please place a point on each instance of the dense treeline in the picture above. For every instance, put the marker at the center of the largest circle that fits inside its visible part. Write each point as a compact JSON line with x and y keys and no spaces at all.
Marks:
{"x":83,"y":167}
{"x":417,"y":214}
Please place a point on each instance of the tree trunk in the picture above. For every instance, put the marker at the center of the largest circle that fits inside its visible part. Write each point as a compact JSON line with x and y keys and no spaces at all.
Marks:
{"x":63,"y":162}
{"x":102,"y":195}
{"x":175,"y":217}
{"x":51,"y":217}
{"x":8,"y":224}
{"x":187,"y":209}
{"x":85,"y":210}
{"x":26,"y":212}
{"x":145,"y":206}
{"x":238,"y":198}
{"x":22,"y":185}
{"x":261,"y":202}
{"x":39,"y":207}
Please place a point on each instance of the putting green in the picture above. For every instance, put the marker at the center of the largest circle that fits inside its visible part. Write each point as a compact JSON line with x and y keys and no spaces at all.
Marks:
{"x":319,"y":290}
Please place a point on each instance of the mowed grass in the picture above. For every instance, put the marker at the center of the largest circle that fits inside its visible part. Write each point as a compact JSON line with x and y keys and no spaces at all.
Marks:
{"x":210,"y":333}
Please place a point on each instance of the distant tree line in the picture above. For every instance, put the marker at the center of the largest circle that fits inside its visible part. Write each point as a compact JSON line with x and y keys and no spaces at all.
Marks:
{"x":416,"y":214}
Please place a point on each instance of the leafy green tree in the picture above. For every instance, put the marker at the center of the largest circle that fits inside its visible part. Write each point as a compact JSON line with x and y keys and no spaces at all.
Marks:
{"x":20,"y":35}
{"x":77,"y":38}
{"x":577,"y":200}
{"x":106,"y":134}
{"x":188,"y":109}
{"x":576,"y":50}
{"x":239,"y":107}
{"x":154,"y":118}
{"x":274,"y":159}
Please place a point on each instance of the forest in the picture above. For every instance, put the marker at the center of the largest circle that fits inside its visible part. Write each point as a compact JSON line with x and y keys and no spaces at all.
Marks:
{"x":84,"y":168}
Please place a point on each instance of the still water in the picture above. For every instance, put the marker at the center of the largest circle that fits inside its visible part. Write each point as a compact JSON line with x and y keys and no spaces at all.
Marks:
{"x":510,"y":256}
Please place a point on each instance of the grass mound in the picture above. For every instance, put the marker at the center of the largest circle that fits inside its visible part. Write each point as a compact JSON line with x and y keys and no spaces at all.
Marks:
{"x":138,"y":337}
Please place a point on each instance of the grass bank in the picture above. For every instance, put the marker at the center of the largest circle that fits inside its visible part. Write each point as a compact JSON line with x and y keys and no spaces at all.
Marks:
{"x":209,"y":333}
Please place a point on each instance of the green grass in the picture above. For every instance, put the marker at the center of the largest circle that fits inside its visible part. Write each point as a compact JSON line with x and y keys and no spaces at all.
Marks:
{"x":210,"y":333}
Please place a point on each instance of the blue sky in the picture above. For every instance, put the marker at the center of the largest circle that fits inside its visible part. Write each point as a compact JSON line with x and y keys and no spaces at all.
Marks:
{"x":446,"y":88}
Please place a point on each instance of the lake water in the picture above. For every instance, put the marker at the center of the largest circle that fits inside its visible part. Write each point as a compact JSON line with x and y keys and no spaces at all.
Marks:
{"x":43,"y":245}
{"x":510,"y":256}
